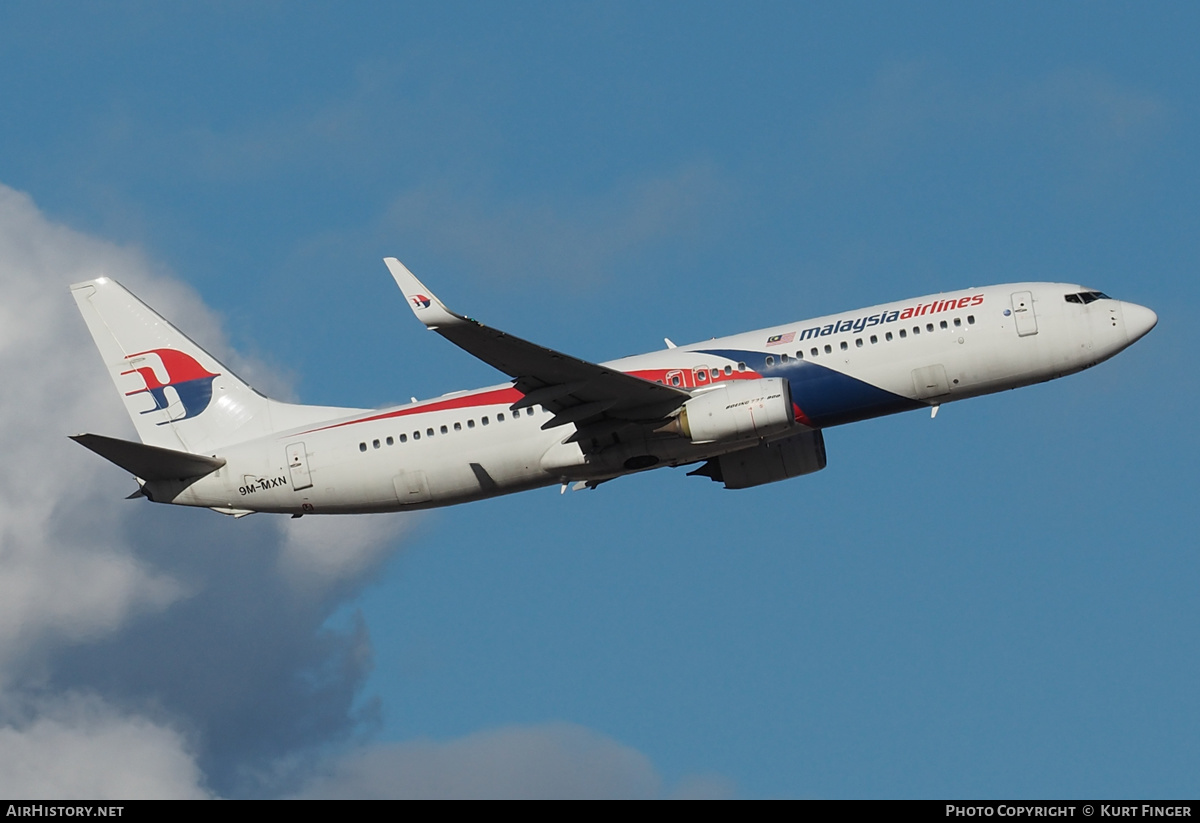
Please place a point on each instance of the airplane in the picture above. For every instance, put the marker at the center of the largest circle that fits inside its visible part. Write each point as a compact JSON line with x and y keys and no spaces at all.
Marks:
{"x":745,"y":410}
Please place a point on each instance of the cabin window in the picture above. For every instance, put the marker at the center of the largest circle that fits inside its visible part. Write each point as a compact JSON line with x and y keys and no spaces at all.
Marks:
{"x":970,"y":320}
{"x":390,"y":441}
{"x":770,"y":360}
{"x":783,"y":358}
{"x":929,"y":327}
{"x":874,"y":339}
{"x":500,"y":417}
{"x":470,"y":424}
{"x":741,"y":366}
{"x":916,"y":329}
{"x":858,"y":342}
{"x":445,"y":430}
{"x":957,"y":322}
{"x":903,"y":334}
{"x":889,"y":336}
{"x":362,"y":447}
{"x":814,"y":351}
{"x":729,"y":369}
{"x":799,"y":355}
{"x":483,"y":420}
{"x":674,"y":382}
{"x":716,"y":373}
{"x":943,"y":324}
{"x":416,"y":435}
{"x":404,"y":438}
{"x":458,"y":427}
{"x":702,"y":376}
{"x":845,"y":345}
{"x":429,"y":432}
{"x":828,"y":349}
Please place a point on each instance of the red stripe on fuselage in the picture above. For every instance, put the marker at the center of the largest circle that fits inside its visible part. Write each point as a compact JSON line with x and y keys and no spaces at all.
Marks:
{"x":511,"y":395}
{"x":487,"y":398}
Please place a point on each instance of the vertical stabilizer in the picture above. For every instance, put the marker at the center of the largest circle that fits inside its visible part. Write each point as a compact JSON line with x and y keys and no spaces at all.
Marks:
{"x":177,"y":394}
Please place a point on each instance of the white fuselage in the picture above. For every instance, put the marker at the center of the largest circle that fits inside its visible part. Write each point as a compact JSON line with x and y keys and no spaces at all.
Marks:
{"x":840,"y":368}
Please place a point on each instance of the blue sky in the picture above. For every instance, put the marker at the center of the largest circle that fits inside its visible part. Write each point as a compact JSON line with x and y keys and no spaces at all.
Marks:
{"x":1000,"y":602}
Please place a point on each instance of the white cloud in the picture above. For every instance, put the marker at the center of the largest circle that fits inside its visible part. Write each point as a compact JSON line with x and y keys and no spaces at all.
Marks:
{"x":81,"y":748}
{"x":137,"y":604}
{"x":557,"y":760}
{"x":322,"y":551}
{"x":63,"y":573}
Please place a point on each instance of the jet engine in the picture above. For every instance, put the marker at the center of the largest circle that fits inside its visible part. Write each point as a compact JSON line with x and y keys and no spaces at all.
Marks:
{"x":802,"y":453}
{"x":737,"y":410}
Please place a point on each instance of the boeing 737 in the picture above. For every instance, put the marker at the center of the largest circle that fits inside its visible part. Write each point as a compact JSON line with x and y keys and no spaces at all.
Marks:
{"x":744,"y":410}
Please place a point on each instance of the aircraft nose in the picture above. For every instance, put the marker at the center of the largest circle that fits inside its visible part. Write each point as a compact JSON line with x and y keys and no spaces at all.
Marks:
{"x":1139,"y":320}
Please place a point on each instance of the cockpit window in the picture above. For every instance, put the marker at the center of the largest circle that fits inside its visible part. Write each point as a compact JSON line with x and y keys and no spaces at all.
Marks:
{"x":1086,"y":297}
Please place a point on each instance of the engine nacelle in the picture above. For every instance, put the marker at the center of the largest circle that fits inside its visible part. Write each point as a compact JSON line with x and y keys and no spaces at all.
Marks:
{"x":802,"y":453}
{"x":738,"y":410}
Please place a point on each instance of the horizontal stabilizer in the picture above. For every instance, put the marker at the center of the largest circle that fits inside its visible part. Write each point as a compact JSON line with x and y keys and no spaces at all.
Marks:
{"x":150,"y":462}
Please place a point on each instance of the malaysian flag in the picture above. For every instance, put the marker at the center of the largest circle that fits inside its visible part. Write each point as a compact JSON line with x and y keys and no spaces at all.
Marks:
{"x":781,"y":339}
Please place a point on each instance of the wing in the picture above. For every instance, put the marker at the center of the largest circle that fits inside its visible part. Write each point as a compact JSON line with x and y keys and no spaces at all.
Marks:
{"x":594,"y":397}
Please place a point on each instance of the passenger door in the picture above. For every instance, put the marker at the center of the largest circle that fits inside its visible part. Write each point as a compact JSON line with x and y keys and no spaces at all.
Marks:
{"x":1022,"y":309}
{"x":297,"y":459}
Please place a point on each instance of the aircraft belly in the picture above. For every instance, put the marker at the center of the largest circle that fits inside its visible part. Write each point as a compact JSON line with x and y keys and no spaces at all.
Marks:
{"x":830,"y":397}
{"x":501,"y":468}
{"x":342,"y":479}
{"x":239,"y":484}
{"x":1008,"y":360}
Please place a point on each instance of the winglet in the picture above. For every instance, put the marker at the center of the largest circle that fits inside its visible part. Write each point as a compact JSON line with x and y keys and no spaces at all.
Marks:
{"x":428,"y":309}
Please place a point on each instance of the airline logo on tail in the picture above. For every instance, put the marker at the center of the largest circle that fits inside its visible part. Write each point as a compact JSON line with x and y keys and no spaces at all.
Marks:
{"x":191,"y":382}
{"x":420,"y":301}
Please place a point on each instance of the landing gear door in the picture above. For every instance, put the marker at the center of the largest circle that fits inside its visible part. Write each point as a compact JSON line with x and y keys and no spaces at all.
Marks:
{"x":930,"y":382}
{"x":1022,"y":309}
{"x":297,"y":459}
{"x":411,"y":487}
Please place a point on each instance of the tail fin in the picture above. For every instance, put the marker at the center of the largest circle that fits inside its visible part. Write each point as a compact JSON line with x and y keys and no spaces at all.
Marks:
{"x":177,"y":394}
